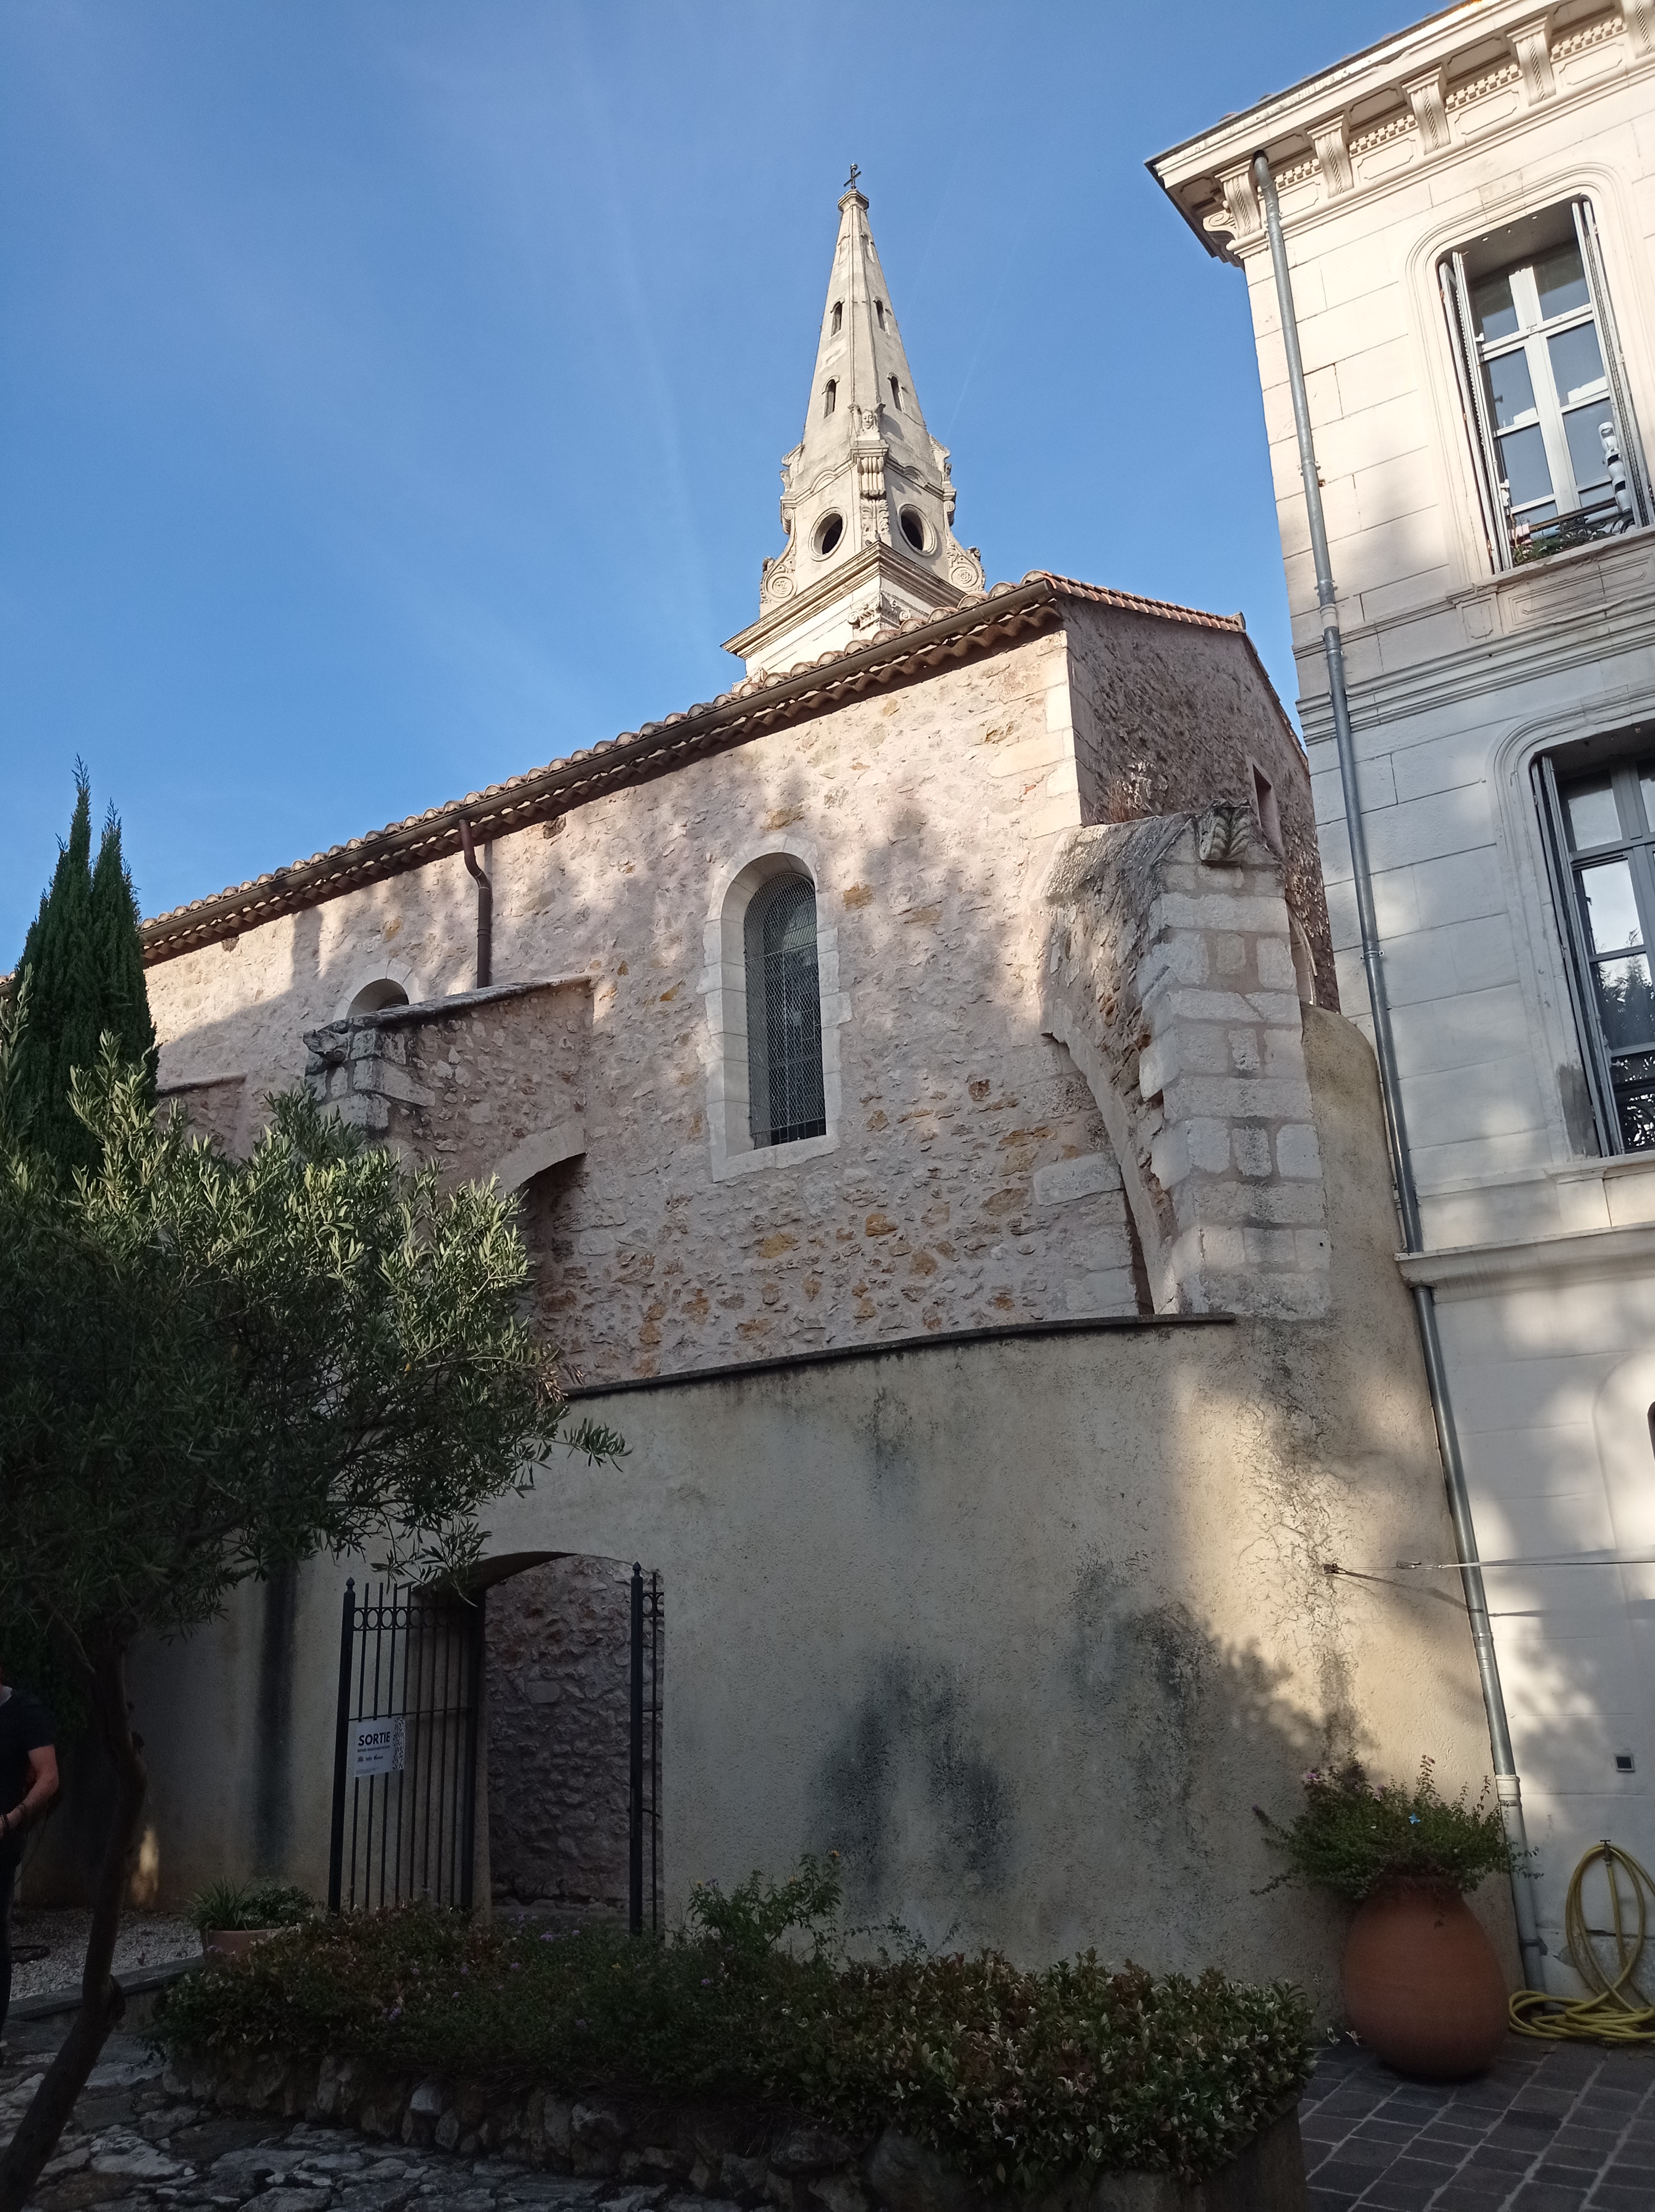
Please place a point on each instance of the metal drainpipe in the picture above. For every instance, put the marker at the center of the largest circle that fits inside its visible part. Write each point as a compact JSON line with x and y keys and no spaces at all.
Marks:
{"x":484,"y":908}
{"x":1425,"y":1305}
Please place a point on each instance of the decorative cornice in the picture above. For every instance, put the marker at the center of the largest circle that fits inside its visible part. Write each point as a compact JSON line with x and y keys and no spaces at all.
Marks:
{"x":1418,"y":82}
{"x":1467,"y":1269}
{"x":985,"y":622}
{"x":1573,"y":632}
{"x":878,"y":560}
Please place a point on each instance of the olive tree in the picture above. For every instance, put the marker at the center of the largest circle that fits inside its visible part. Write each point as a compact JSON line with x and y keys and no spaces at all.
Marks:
{"x":212,"y":1369}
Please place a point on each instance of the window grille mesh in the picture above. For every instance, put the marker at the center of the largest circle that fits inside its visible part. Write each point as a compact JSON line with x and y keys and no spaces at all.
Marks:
{"x":784,"y":1014}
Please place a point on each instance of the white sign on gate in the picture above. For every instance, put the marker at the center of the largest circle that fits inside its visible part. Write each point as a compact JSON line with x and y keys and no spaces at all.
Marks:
{"x":378,"y":1746}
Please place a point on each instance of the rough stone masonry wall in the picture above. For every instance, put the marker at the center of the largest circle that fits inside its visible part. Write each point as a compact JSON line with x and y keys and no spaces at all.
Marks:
{"x":972,"y":1182}
{"x":1167,"y":715}
{"x":470,"y":1082}
{"x":558,"y":1662}
{"x":1170,"y":977}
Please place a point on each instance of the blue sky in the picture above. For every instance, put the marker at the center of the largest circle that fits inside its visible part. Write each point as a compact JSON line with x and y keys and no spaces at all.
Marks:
{"x":392,"y":392}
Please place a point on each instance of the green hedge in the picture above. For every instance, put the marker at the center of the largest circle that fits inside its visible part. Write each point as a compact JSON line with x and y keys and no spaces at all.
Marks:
{"x":1014,"y":2077}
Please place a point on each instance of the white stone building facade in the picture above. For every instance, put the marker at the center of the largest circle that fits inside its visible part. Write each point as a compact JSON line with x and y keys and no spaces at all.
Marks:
{"x":1469,"y":210}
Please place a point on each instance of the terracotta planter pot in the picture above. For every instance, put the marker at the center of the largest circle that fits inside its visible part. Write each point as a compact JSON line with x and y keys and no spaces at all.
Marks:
{"x":218,"y":1944}
{"x":1422,"y":1985}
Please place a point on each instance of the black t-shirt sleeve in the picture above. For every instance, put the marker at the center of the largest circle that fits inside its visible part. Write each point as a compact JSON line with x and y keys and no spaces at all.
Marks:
{"x":34,"y":1731}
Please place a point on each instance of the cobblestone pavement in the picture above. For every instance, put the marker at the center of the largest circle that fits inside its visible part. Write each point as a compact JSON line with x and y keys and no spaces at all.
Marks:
{"x":1552,"y":2127}
{"x":132,"y":2149}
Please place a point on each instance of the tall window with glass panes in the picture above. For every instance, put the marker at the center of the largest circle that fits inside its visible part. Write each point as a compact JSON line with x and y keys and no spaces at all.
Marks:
{"x":1544,"y":391}
{"x":1601,"y":832}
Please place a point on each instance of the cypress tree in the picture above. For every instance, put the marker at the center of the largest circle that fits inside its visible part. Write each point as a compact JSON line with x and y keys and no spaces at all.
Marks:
{"x":85,"y":972}
{"x":118,"y":956}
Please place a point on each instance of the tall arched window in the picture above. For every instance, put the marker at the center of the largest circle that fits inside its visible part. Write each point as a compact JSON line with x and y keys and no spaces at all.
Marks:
{"x":831,"y":396}
{"x":785,"y":1102}
{"x":838,"y":317}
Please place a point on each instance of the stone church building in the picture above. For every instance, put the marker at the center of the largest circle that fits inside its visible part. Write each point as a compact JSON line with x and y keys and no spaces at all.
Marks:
{"x":943,"y":1159}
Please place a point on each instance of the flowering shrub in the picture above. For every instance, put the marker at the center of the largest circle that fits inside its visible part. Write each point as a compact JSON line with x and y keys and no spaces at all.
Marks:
{"x":1011,"y":2076}
{"x":1352,"y":1833}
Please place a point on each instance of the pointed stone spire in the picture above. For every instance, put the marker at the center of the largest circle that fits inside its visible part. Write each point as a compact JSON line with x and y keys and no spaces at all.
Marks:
{"x":866,"y":501}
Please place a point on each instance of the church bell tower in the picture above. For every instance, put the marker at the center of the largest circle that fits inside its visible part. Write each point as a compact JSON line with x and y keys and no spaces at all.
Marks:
{"x":866,"y":501}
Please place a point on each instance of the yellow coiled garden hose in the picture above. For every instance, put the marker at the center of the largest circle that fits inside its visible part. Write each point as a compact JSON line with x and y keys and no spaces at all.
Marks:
{"x":1617,"y":2011}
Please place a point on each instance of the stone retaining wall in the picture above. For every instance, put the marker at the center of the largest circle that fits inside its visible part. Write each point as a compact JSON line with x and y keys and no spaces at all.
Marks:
{"x":743,"y":2155}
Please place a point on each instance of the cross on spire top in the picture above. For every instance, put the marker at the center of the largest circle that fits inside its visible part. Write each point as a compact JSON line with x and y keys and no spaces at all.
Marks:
{"x":850,"y":181}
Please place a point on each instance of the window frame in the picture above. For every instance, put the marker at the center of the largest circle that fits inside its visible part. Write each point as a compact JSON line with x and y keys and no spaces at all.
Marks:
{"x":1511,"y":542}
{"x":723,"y":986}
{"x":1566,"y":864}
{"x":764,"y":979}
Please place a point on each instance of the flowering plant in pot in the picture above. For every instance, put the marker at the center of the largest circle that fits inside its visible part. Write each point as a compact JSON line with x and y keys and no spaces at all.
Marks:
{"x":1422,"y":1985}
{"x":231,"y":1917}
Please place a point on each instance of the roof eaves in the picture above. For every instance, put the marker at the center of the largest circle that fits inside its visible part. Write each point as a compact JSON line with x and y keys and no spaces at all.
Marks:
{"x":981,"y":623}
{"x":750,"y":710}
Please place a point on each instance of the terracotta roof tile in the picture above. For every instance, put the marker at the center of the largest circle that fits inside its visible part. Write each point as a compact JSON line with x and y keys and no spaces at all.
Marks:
{"x":980,"y":621}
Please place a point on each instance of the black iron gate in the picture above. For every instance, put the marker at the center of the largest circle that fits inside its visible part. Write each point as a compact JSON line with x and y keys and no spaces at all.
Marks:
{"x":404,"y":1753}
{"x":643,"y":1839}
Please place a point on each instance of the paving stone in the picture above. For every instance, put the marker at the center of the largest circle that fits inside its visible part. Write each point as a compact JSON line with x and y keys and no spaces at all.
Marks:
{"x":374,"y":2193}
{"x":116,"y":2150}
{"x":78,"y":2190}
{"x":296,"y":2200}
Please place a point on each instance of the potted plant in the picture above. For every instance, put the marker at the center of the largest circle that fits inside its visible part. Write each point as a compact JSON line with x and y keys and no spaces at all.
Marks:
{"x":1422,"y":1985}
{"x":231,"y":1917}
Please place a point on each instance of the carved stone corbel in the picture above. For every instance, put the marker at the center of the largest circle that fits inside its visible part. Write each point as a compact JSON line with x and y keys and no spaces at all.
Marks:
{"x":1425,"y":97}
{"x":1531,"y":42}
{"x":1223,"y":833}
{"x":1241,"y":208}
{"x":1331,"y":140}
{"x":870,"y":451}
{"x":1639,"y":16}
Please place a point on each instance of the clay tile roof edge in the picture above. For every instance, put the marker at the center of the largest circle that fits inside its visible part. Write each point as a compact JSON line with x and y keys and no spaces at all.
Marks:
{"x":760,"y":702}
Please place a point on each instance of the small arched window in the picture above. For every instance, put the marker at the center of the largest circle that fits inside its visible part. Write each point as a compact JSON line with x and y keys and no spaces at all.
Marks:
{"x":896,"y":395}
{"x":879,"y":309}
{"x":785,"y":1099}
{"x":838,"y":317}
{"x":830,"y":396}
{"x":375,"y":998}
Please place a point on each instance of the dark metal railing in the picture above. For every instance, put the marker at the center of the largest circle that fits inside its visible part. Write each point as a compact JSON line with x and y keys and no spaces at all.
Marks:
{"x":1536,"y":541}
{"x":405,"y":1752}
{"x":643,"y":1838}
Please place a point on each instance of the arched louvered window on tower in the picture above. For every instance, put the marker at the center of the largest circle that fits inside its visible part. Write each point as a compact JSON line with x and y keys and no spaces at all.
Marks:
{"x":785,"y":1099}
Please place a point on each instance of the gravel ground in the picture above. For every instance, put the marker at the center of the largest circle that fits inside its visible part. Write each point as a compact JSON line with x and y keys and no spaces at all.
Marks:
{"x":146,"y":1939}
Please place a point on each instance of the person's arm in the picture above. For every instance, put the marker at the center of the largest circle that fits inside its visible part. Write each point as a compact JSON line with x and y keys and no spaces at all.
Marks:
{"x":42,"y":1788}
